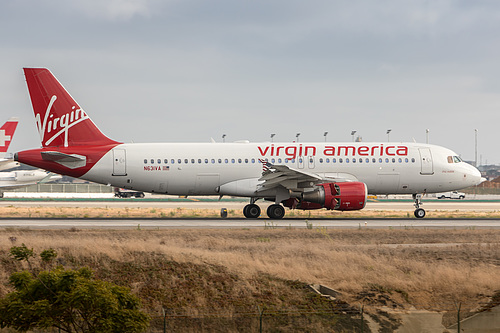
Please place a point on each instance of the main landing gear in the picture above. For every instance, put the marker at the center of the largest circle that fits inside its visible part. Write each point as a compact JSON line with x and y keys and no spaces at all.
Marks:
{"x":419,"y":212}
{"x":252,"y":211}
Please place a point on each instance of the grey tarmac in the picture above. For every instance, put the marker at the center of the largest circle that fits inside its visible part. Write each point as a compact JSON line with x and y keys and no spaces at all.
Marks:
{"x":249,"y":223}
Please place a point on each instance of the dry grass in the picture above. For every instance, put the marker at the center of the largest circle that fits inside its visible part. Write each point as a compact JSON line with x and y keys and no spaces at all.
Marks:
{"x":427,"y":269}
{"x":179,"y":212}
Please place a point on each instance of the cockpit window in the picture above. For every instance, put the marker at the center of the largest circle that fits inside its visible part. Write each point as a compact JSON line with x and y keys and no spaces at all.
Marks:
{"x":454,"y":159}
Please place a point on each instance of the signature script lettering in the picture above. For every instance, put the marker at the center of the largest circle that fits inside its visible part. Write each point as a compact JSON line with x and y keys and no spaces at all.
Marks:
{"x":56,"y":126}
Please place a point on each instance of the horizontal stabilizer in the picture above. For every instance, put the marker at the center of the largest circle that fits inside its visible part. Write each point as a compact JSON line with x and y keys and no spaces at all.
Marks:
{"x":71,"y":161}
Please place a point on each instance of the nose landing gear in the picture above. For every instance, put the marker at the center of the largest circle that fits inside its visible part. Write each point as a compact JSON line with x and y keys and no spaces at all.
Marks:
{"x":419,"y":212}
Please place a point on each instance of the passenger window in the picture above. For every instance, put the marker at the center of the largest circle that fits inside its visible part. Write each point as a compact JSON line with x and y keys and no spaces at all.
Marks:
{"x":400,"y":160}
{"x":279,"y":160}
{"x":253,"y":160}
{"x":172,"y":161}
{"x":380,"y":160}
{"x":159,"y":161}
{"x":186,"y":160}
{"x":340,"y":160}
{"x":212,"y":160}
{"x":179,"y":161}
{"x":239,"y":160}
{"x":152,"y":161}
{"x":347,"y":160}
{"x":226,"y":161}
{"x":413,"y":160}
{"x":192,"y":160}
{"x":233,"y":160}
{"x":393,"y":160}
{"x":145,"y":161}
{"x":219,"y":161}
{"x":386,"y":160}
{"x":206,"y":160}
{"x":327,"y":160}
{"x":334,"y":160}
{"x":165,"y":161}
{"x":374,"y":160}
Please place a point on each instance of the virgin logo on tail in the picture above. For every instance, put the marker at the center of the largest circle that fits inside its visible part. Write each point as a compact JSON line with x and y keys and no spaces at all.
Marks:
{"x":55,"y":126}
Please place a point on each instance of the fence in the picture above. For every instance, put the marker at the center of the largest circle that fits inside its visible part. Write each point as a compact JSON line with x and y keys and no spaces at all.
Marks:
{"x":64,"y":188}
{"x":340,"y":317}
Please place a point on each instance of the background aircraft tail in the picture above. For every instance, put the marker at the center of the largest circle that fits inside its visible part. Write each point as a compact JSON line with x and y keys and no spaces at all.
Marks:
{"x":61,"y":122}
{"x":6,"y":135}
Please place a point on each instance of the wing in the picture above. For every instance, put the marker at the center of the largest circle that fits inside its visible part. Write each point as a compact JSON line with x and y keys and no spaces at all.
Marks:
{"x":295,"y":180}
{"x":283,"y":176}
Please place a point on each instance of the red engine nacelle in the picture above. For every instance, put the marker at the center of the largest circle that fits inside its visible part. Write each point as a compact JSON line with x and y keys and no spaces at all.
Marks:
{"x":338,"y":196}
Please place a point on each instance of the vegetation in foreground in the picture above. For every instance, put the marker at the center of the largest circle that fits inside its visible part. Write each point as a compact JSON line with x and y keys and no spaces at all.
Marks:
{"x":165,"y":213}
{"x":194,"y":272}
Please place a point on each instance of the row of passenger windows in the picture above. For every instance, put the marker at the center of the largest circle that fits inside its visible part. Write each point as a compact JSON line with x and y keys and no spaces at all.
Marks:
{"x":279,"y":160}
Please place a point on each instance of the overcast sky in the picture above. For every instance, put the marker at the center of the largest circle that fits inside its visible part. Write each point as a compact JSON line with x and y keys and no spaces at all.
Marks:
{"x":189,"y":70}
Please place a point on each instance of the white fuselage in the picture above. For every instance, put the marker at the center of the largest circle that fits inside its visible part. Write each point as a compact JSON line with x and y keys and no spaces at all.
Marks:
{"x":21,"y":178}
{"x":235,"y":169}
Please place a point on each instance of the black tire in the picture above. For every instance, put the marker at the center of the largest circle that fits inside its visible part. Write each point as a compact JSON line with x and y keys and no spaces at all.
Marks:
{"x":419,"y":213}
{"x":251,"y":211}
{"x":276,"y":212}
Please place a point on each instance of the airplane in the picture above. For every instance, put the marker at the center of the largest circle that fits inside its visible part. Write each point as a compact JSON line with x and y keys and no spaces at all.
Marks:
{"x":335,"y":176}
{"x":21,"y":178}
{"x":6,"y":134}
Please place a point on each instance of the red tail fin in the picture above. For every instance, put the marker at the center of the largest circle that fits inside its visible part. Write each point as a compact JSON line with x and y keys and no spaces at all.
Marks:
{"x":60,"y":120}
{"x":6,"y":134}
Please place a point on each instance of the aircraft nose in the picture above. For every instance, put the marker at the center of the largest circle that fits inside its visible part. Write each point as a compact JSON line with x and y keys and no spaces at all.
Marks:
{"x":474,"y":175}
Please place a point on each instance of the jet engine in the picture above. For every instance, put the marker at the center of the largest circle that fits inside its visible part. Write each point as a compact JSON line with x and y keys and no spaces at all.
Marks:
{"x":337,"y":196}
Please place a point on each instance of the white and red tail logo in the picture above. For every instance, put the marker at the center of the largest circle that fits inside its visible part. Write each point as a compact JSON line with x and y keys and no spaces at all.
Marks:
{"x":60,"y":120}
{"x":7,"y":133}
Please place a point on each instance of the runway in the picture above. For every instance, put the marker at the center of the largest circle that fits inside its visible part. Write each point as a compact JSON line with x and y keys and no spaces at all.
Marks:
{"x":248,"y":223}
{"x":263,"y":222}
{"x":403,"y":205}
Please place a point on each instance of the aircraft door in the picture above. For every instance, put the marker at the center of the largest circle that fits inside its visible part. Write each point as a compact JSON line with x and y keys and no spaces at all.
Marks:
{"x":119,"y":162}
{"x":427,"y":167}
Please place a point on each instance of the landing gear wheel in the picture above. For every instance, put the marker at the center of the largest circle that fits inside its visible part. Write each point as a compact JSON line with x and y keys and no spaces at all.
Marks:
{"x":251,"y":211}
{"x":419,"y":213}
{"x":276,"y":212}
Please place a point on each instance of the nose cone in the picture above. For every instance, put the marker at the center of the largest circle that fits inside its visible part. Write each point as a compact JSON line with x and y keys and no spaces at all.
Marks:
{"x":473,"y":175}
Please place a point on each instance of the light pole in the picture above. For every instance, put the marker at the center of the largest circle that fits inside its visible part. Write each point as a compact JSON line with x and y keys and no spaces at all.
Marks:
{"x":297,"y":136}
{"x":427,"y":135}
{"x":325,"y":134}
{"x":475,"y":147}
{"x":352,"y":134}
{"x":223,"y":137}
{"x":272,"y":137}
{"x":388,"y":138}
